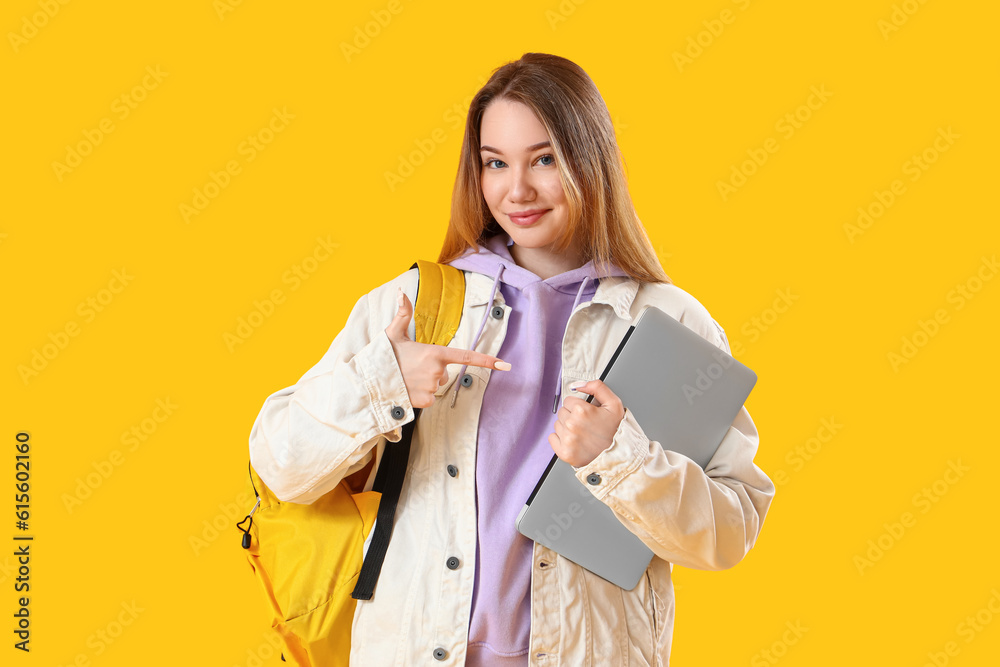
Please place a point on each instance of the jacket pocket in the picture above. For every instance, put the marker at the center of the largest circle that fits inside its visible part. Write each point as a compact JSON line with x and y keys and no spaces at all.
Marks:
{"x":453,"y":370}
{"x":650,"y":601}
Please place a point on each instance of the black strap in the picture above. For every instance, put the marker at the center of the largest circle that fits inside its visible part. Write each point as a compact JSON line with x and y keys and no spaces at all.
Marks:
{"x":389,"y":482}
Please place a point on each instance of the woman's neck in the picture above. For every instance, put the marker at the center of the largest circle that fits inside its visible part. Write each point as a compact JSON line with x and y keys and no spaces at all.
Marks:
{"x":544,"y":263}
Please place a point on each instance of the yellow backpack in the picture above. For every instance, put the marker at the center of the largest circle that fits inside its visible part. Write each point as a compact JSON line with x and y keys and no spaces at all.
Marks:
{"x":309,"y":559}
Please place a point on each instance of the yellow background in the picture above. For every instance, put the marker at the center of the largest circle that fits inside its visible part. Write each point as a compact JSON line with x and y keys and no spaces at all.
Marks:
{"x":134,"y":541}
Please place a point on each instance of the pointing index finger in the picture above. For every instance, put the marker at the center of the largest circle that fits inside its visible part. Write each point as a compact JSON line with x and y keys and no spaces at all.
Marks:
{"x":472,"y":358}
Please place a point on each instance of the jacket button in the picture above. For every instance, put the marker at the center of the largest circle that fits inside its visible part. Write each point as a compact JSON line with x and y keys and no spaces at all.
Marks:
{"x":398,"y":412}
{"x":466,"y":380}
{"x":453,"y":471}
{"x":440,"y":654}
{"x":452,"y":563}
{"x":593,"y":479}
{"x":497,"y":312}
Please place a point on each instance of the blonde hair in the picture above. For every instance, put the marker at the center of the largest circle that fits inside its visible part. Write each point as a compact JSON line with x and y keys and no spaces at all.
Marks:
{"x":591,"y":167}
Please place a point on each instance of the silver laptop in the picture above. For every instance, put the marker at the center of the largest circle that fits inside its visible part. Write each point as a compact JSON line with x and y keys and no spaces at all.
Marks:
{"x":685,"y":393}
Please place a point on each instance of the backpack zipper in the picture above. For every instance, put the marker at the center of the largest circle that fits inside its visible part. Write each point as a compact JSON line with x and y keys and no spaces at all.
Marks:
{"x":245,"y":541}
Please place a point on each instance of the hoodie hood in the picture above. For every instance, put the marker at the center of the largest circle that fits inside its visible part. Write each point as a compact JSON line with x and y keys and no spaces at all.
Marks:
{"x":493,"y":258}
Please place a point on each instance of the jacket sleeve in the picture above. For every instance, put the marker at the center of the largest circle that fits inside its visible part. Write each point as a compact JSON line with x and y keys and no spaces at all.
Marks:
{"x":702,"y":519}
{"x":309,"y":436}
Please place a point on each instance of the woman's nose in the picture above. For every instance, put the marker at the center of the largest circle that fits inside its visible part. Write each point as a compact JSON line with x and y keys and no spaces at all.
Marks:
{"x":520,"y":185}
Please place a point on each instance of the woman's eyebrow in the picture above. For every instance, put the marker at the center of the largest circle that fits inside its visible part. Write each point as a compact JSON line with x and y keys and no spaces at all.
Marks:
{"x":532,"y":147}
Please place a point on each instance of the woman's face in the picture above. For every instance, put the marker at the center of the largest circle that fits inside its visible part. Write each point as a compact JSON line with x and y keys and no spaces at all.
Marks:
{"x":519,"y":175}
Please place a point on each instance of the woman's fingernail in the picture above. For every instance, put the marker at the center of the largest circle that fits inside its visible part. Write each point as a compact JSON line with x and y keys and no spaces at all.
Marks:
{"x":577,"y":385}
{"x":399,"y":297}
{"x":501,"y":366}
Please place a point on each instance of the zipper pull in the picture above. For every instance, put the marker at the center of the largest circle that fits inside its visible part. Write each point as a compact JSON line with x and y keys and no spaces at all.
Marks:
{"x":246,"y":531}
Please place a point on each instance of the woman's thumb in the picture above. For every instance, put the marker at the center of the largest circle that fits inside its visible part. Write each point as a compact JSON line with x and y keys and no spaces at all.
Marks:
{"x":397,"y":328}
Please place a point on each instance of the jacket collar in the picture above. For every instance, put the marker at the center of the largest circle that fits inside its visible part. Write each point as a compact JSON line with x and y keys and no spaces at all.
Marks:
{"x":619,"y":293}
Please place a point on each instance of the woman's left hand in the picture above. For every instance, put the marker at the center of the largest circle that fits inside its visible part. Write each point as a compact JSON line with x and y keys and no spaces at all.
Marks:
{"x":584,"y":430}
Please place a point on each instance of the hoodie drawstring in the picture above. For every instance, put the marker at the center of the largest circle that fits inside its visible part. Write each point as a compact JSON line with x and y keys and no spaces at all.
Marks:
{"x":576,"y":302}
{"x":482,"y":325}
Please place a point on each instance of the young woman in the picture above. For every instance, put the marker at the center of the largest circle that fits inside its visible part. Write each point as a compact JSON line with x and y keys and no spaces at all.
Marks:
{"x":557,"y":265}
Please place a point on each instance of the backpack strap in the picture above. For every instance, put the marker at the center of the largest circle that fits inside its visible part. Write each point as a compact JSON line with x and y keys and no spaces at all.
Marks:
{"x":436,"y":315}
{"x":439,"y":304}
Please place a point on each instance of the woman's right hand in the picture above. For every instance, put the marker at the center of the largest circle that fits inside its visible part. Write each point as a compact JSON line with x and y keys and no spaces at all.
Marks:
{"x":424,"y":366}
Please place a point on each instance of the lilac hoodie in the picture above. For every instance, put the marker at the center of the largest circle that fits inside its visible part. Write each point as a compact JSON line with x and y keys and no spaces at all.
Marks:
{"x":518,"y":414}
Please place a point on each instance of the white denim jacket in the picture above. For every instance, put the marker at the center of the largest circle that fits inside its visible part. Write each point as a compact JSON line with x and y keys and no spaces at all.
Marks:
{"x":312,"y":434}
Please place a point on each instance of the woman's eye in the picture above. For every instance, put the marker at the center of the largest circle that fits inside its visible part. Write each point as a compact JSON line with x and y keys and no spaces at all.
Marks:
{"x":487,"y":164}
{"x":550,"y":157}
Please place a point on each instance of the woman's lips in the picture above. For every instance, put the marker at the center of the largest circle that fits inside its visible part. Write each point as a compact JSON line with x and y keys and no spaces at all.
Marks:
{"x":524,"y":220}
